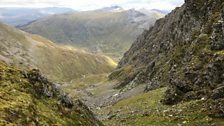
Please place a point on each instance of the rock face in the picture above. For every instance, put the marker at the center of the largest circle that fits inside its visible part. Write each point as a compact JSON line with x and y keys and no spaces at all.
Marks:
{"x":187,"y":49}
{"x":217,"y":36}
{"x":28,"y":98}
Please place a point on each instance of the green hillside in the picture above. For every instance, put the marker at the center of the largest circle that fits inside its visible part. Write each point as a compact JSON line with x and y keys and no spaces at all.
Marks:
{"x":109,"y":33}
{"x":61,"y":63}
{"x":28,"y":99}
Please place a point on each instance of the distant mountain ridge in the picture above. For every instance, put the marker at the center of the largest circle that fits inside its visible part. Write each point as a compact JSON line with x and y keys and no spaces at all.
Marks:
{"x":22,"y":16}
{"x":110,"y":30}
{"x":59,"y":63}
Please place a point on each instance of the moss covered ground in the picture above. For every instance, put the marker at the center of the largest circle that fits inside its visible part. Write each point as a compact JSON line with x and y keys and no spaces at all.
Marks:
{"x":147,"y":110}
{"x":21,"y":105}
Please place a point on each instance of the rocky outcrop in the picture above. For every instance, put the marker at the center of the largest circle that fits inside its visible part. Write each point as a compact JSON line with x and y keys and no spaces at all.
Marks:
{"x":187,"y":50}
{"x":43,"y":87}
{"x":28,"y":98}
{"x":218,"y":36}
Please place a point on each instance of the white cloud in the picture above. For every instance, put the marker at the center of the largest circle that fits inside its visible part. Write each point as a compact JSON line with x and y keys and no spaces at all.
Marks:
{"x":94,"y":4}
{"x":154,"y":5}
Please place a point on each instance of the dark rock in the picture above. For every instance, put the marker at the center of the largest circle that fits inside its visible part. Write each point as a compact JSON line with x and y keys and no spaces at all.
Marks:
{"x":191,"y":75}
{"x":218,"y":93}
{"x":172,"y":96}
{"x":111,"y":117}
{"x":46,"y":92}
{"x":195,"y":95}
{"x":151,"y":86}
{"x":217,"y":36}
{"x":195,"y":7}
{"x":216,"y":108}
{"x":56,"y":89}
{"x":181,"y":85}
{"x":150,"y":67}
{"x":215,"y":71}
{"x":42,"y":86}
{"x":36,"y":76}
{"x":66,"y":101}
{"x":198,"y":67}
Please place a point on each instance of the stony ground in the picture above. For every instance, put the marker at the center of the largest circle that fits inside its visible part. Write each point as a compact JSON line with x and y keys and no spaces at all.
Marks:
{"x":136,"y":108}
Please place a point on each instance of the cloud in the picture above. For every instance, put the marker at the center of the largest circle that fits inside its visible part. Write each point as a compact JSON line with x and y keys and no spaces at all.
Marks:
{"x":153,"y":4}
{"x":94,"y":4}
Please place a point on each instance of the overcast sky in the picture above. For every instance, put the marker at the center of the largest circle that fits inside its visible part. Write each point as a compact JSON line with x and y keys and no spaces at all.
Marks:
{"x":94,"y":4}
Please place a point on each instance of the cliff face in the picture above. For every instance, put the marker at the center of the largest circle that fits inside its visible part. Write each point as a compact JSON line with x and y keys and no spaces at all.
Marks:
{"x":184,"y":50}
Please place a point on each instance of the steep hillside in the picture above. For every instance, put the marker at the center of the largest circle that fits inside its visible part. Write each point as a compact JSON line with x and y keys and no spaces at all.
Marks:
{"x":61,"y":63}
{"x":108,"y":31}
{"x":21,"y":16}
{"x":28,"y":98}
{"x":184,"y":51}
{"x":147,"y":110}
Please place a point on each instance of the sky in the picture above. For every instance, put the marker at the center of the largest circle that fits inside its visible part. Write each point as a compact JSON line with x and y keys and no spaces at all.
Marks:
{"x":94,"y":4}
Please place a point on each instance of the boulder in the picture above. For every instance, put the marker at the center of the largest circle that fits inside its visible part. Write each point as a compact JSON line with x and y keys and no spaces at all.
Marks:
{"x":66,"y":101}
{"x":181,"y":85}
{"x":172,"y":96}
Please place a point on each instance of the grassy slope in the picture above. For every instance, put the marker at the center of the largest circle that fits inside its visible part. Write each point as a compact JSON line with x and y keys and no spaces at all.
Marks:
{"x":67,"y":63}
{"x":20,"y":105}
{"x":58,"y":62}
{"x":144,"y":109}
{"x":107,"y":32}
{"x":147,"y":110}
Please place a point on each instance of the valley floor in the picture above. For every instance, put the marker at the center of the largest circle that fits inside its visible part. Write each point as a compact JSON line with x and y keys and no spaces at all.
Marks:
{"x":135,"y":108}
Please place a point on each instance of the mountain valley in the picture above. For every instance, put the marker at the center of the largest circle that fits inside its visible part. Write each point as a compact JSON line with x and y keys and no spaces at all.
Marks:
{"x":60,"y":63}
{"x":109,"y":31}
{"x":116,"y":67}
